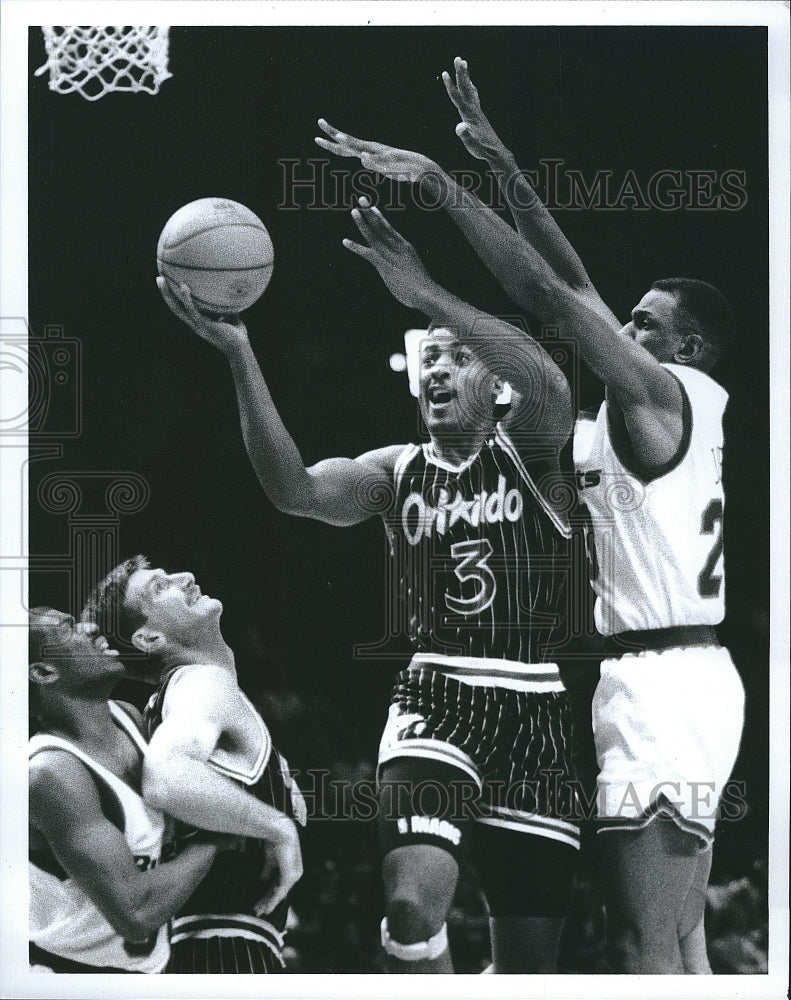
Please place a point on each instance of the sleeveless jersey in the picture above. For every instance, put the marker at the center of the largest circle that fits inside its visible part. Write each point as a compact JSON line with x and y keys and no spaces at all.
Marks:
{"x":231,"y":885}
{"x":480,"y":555}
{"x":63,"y":920}
{"x":657,"y":559}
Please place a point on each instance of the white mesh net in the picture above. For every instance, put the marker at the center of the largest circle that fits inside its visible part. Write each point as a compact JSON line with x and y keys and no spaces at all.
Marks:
{"x":97,"y":59}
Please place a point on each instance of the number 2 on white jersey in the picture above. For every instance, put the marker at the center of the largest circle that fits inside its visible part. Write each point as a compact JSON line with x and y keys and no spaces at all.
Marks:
{"x":472,"y":556}
{"x":710,"y":585}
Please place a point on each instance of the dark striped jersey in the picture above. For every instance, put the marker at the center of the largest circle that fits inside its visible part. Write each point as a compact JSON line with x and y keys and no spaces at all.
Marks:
{"x":480,"y":555}
{"x":232,"y":884}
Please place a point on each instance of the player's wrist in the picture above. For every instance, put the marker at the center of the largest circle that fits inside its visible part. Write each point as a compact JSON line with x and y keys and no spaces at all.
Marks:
{"x":428,"y":297}
{"x":436,"y":185}
{"x":238,"y":349}
{"x":503,"y":159}
{"x":279,"y":832}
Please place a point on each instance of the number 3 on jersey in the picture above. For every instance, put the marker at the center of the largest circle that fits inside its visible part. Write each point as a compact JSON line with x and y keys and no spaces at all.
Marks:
{"x":471,"y":557}
{"x":710,"y":585}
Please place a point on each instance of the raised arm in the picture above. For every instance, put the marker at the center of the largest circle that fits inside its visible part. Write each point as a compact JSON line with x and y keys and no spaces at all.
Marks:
{"x":526,"y":276}
{"x":533,"y":220}
{"x":336,"y":490}
{"x":647,"y":393}
{"x":65,"y":810}
{"x":541,"y":389}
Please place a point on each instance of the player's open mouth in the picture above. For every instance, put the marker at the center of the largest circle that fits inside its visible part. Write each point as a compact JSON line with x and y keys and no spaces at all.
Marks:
{"x":438,"y":395}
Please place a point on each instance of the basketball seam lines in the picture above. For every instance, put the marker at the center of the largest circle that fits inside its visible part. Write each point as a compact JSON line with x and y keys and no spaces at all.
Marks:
{"x":198,"y":267}
{"x":208,"y":229}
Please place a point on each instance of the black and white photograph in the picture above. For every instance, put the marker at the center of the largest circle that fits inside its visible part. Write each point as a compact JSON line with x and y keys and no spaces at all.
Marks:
{"x":394,"y":453}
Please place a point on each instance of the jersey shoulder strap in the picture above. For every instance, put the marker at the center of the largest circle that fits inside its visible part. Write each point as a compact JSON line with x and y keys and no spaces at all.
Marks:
{"x":558,"y":518}
{"x":410,"y":452}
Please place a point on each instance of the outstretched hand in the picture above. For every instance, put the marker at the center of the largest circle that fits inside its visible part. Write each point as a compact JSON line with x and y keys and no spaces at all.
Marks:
{"x":397,"y":164}
{"x":224,"y":333}
{"x":394,"y":258}
{"x":475,"y":130}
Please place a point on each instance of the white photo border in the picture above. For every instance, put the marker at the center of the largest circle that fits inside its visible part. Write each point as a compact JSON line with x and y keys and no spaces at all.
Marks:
{"x":17,"y":16}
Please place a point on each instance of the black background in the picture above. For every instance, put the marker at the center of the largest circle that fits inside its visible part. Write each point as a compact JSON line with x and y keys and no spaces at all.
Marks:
{"x":105,"y":176}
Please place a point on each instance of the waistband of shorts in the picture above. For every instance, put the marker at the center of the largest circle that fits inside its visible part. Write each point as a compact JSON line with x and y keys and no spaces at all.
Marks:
{"x":207,"y":925}
{"x":479,"y":670}
{"x":675,"y":637}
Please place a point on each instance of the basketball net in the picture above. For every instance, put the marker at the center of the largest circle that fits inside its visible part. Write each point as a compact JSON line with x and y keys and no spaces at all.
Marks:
{"x":95,"y":60}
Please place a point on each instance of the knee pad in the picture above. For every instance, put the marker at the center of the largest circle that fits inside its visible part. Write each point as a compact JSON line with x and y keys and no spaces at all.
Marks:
{"x":419,"y":951}
{"x":424,"y":802}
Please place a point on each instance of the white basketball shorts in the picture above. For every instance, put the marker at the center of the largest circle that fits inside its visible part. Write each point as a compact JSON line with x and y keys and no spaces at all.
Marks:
{"x":666,"y":726}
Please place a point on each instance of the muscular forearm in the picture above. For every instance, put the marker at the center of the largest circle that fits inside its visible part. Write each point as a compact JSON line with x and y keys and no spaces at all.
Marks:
{"x":192,"y":791}
{"x":535,"y":286}
{"x":160,"y":892}
{"x":524,"y":274}
{"x":505,"y":350}
{"x":534,"y":221}
{"x":273,"y":454}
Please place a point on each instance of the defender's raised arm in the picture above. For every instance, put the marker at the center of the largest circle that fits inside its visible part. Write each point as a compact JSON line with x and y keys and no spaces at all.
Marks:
{"x":533,"y":220}
{"x":505,"y":350}
{"x":651,"y":397}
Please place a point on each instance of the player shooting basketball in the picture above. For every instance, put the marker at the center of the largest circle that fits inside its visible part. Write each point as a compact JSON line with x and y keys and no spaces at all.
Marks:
{"x":658,"y":577}
{"x":479,"y":547}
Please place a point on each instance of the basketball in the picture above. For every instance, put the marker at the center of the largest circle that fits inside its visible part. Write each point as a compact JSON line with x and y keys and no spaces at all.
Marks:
{"x":221,"y":250}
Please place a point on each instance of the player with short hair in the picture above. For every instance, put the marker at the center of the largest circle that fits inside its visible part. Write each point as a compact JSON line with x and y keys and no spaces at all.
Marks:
{"x":100,"y":894}
{"x":649,"y":470}
{"x":212,"y":764}
{"x":479,"y":720}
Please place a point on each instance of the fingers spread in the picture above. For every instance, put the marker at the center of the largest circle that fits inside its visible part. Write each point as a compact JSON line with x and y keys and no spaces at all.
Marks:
{"x":384,"y":231}
{"x":374,"y":226}
{"x":336,"y":147}
{"x":357,"y":248}
{"x":350,"y":142}
{"x":341,"y":144}
{"x":363,"y":222}
{"x":325,"y":126}
{"x":451,"y":88}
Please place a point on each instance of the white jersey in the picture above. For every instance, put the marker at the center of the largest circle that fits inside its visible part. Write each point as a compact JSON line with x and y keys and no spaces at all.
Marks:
{"x":658,"y":558}
{"x":63,"y":920}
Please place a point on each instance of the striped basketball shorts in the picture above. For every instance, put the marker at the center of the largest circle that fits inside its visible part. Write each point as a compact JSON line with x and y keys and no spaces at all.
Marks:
{"x":503,"y":726}
{"x":225,"y":943}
